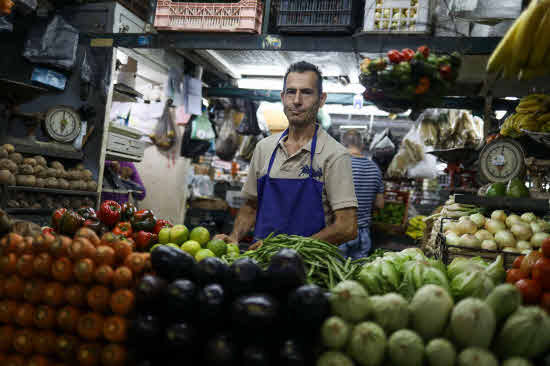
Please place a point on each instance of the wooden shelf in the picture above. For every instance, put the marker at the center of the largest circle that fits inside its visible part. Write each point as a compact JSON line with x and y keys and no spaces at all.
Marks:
{"x":52,"y":191}
{"x":50,"y":149}
{"x":116,"y":156}
{"x":20,"y":92}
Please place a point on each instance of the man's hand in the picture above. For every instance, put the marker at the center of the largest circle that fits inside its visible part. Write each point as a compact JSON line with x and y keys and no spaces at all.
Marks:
{"x":226,"y":238}
{"x":256,"y":245}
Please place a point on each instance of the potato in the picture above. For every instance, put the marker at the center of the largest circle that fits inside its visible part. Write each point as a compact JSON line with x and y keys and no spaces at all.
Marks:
{"x":25,"y":228}
{"x":79,"y":166}
{"x":64,"y":174}
{"x":3,"y":153}
{"x":29,"y":161}
{"x":26,"y":169}
{"x":86,"y":175}
{"x":52,"y":183}
{"x":57,"y":165}
{"x":9,"y":148}
{"x":6,"y":177}
{"x":36,"y":205}
{"x":74,"y":174}
{"x":40,"y":182}
{"x":91,"y":186}
{"x":51,"y":173}
{"x":24,"y":204}
{"x":38,"y":169}
{"x":13,"y":204}
{"x":40,"y":160}
{"x":25,"y":180}
{"x":74,"y":185}
{"x":16,"y":158}
{"x":62,"y":183}
{"x":82,"y":185}
{"x":8,"y":165}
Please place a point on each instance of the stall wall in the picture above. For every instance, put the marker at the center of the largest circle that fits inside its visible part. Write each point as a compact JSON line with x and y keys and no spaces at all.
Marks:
{"x":165,"y":179}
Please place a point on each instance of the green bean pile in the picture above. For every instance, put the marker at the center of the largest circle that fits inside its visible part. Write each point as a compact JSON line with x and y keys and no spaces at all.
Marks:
{"x":325,"y":266}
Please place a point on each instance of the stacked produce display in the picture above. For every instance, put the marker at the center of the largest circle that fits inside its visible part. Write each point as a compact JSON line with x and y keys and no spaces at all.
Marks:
{"x":532,"y":115}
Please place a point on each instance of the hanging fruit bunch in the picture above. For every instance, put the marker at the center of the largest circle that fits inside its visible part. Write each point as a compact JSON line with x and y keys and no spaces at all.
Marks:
{"x":409,"y":79}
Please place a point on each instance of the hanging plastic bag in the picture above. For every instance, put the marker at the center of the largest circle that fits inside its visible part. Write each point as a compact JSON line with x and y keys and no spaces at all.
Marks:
{"x":193,"y":148}
{"x":425,"y":169}
{"x":201,"y":128}
{"x":5,"y":25}
{"x":227,"y":143}
{"x":411,"y":152}
{"x":174,"y":87}
{"x":26,"y":6}
{"x":164,"y":135}
{"x":246,"y":149}
{"x":249,"y":124}
{"x":324,"y":119}
{"x":55,"y":45}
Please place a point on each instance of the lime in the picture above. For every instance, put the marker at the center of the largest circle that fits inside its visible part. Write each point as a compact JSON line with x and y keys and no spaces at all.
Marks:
{"x":154,"y":246}
{"x":164,"y":235}
{"x":200,"y":235}
{"x":173,"y":245}
{"x":233,"y":250}
{"x":204,"y":253}
{"x":191,"y":247}
{"x":217,"y":246}
{"x":179,"y":234}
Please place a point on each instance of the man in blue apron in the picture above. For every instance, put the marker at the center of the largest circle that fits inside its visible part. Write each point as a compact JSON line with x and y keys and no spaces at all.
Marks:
{"x":300,"y":181}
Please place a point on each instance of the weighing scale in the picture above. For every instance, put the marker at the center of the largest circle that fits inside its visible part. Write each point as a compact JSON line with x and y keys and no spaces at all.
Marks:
{"x":459,"y":163}
{"x":501,"y":160}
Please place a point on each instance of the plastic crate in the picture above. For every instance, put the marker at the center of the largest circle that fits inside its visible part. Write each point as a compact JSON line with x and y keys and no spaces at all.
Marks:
{"x":397,"y":16}
{"x":318,"y":16}
{"x":448,"y":252}
{"x":243,"y":16}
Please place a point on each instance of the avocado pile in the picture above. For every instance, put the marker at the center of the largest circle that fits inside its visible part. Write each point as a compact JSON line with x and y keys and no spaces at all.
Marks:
{"x":209,"y":313}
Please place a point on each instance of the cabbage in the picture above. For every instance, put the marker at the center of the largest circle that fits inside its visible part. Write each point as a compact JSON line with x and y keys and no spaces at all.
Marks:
{"x":371,"y":281}
{"x":390,"y":274}
{"x":397,"y":259}
{"x":406,"y":348}
{"x":526,"y":333}
{"x":376,"y":267}
{"x":496,"y":270}
{"x":504,"y":300}
{"x":429,"y":311}
{"x":436,"y":263}
{"x":334,"y":359}
{"x":412,"y":279}
{"x":440,"y":352}
{"x":460,"y":265}
{"x":350,"y":301}
{"x":390,"y":311}
{"x":413,"y":253}
{"x":367,"y":344}
{"x":335,"y":332}
{"x":516,"y":361}
{"x":474,"y":284}
{"x":474,"y":356}
{"x":473,"y":323}
{"x":435,"y":277}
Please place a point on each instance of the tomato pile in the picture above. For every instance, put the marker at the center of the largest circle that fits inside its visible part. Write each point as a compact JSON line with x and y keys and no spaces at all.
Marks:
{"x":531,"y":275}
{"x":66,"y":301}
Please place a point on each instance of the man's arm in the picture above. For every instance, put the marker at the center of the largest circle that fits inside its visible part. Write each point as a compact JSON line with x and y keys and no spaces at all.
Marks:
{"x":342,"y":230}
{"x":379,"y":201}
{"x":245,"y":220}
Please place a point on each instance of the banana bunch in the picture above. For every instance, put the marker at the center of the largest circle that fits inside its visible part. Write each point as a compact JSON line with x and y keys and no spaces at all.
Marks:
{"x":416,"y":227}
{"x":532,"y":114}
{"x":524,"y":52}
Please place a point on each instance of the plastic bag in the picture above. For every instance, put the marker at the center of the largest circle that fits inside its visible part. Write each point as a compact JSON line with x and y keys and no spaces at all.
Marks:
{"x":324,"y":119}
{"x":201,"y":128}
{"x":227,"y":143}
{"x":410,"y":153}
{"x":54,"y":45}
{"x":164,"y":135}
{"x":249,"y":124}
{"x":425,"y":169}
{"x":174,"y":87}
{"x":192,"y":148}
{"x":378,"y":137}
{"x":5,"y":25}
{"x":26,"y":6}
{"x":246,"y":149}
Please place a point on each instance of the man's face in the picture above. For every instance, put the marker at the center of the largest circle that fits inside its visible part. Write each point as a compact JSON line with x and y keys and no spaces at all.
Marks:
{"x":301,"y":99}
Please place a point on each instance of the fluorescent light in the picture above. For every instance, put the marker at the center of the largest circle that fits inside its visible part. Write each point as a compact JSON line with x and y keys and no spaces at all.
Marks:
{"x":500,"y":114}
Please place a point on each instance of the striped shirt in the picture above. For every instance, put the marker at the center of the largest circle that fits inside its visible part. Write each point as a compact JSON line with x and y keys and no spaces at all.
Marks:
{"x":367,"y":179}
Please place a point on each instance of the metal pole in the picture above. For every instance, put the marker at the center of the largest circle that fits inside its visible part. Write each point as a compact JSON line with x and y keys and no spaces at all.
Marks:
{"x":267,"y":14}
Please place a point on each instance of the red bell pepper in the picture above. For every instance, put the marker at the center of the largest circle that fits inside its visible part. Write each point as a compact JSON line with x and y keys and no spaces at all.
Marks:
{"x":446,"y":72}
{"x":161,"y":224}
{"x":423,"y":86}
{"x":144,"y":240}
{"x":109,"y":212}
{"x":57,"y":217}
{"x":123,"y":228}
{"x":48,"y":230}
{"x":144,"y":220}
{"x":395,"y":56}
{"x":408,"y":54}
{"x":424,"y":50}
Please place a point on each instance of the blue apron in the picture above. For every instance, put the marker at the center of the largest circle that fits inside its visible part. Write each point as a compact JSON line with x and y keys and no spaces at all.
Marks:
{"x":290,"y":206}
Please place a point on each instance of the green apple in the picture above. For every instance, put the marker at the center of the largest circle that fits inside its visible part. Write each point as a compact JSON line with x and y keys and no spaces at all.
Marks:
{"x":191,"y":247}
{"x":164,"y":235}
{"x":179,"y":234}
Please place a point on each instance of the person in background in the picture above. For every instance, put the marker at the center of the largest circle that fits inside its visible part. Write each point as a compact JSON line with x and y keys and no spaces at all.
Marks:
{"x":128,"y":172}
{"x":369,"y":190}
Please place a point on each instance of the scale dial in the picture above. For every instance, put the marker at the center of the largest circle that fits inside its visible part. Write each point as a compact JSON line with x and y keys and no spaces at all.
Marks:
{"x":502,"y":160}
{"x":62,"y":124}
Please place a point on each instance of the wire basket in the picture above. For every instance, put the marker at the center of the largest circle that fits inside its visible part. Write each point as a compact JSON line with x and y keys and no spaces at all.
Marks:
{"x":243,"y":16}
{"x":448,"y":252}
{"x":318,"y":16}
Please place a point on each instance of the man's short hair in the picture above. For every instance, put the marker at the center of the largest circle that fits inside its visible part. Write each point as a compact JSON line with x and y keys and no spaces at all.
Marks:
{"x":304,"y":66}
{"x":352,"y":138}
